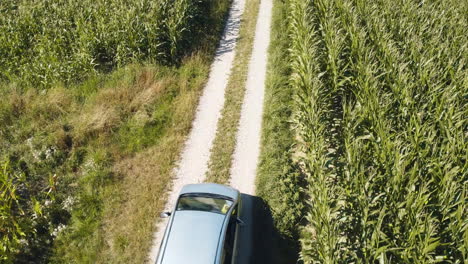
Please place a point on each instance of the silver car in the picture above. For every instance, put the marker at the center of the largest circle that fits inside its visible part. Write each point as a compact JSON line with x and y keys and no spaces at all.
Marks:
{"x":203,"y":227}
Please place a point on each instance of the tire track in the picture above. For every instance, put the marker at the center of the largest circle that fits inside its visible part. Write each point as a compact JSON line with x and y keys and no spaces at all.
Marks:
{"x":195,"y":156}
{"x":244,"y":168}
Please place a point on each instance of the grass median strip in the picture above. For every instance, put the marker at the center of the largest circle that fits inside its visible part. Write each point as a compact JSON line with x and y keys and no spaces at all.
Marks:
{"x":225,"y":141}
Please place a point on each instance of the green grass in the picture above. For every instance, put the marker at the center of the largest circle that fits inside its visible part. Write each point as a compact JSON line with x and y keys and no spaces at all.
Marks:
{"x":276,"y":181}
{"x":96,"y":157}
{"x":379,"y":129}
{"x":122,"y":118}
{"x":129,"y":170}
{"x":225,"y":141}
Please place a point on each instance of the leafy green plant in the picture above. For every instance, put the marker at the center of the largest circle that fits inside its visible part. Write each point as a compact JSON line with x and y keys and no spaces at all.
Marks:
{"x":13,"y":225}
{"x":380,"y":133}
{"x":69,"y":128}
{"x":47,"y":42}
{"x":10,"y":230}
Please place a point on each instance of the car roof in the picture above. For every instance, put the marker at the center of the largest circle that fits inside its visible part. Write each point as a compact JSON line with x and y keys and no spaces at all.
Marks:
{"x":211,"y":188}
{"x":194,"y":237}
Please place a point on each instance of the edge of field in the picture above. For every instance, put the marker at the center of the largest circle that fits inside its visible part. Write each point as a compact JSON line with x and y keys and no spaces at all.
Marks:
{"x":93,"y":159}
{"x":272,"y":184}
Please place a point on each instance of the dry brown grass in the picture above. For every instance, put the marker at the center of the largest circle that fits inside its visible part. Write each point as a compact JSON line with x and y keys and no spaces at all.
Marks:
{"x":128,"y":223}
{"x":100,"y":118}
{"x":106,"y":110}
{"x":144,"y":181}
{"x":47,"y":104}
{"x":148,"y":95}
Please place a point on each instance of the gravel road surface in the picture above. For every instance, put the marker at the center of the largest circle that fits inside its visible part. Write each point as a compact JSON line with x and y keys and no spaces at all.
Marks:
{"x":244,"y":167}
{"x":195,"y":156}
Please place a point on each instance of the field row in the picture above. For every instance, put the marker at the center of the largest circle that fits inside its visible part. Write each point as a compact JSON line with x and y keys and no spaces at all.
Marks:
{"x":380,"y":122}
{"x":43,"y":42}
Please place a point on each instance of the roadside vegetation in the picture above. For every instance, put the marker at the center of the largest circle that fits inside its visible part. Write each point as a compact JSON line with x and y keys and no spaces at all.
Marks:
{"x":379,"y":129}
{"x":225,"y":141}
{"x":94,"y":111}
{"x":278,"y":182}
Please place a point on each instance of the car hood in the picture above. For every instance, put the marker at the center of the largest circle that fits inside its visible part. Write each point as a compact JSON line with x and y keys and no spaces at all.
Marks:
{"x":193,"y":238}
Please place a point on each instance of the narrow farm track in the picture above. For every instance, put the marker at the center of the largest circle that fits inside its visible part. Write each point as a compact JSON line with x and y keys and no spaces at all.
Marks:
{"x":245,"y":160}
{"x":194,"y":159}
{"x":196,"y":154}
{"x":256,"y":234}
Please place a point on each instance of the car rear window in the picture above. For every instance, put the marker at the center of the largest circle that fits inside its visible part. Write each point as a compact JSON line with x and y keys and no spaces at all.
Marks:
{"x":203,"y":203}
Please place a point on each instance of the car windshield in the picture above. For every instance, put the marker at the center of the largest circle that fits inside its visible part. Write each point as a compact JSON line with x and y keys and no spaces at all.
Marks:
{"x":198,"y":202}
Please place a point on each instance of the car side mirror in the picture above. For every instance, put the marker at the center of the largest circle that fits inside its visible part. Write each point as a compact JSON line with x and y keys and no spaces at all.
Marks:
{"x":240,"y":222}
{"x":165,"y":214}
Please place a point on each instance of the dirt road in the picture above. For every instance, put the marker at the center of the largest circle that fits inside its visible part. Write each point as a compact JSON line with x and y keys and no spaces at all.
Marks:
{"x":194,"y":160}
{"x":193,"y":163}
{"x":244,"y":166}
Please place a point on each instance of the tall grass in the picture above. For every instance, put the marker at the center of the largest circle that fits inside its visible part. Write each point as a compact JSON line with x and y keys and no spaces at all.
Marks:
{"x":90,"y":152}
{"x":381,"y":128}
{"x":44,"y":42}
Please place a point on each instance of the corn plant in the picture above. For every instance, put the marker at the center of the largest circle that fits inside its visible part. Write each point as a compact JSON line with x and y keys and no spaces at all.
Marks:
{"x":43,"y":42}
{"x":381,"y":91}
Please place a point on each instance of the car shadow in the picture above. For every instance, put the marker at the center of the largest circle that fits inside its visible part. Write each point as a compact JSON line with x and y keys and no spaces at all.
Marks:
{"x":259,"y":241}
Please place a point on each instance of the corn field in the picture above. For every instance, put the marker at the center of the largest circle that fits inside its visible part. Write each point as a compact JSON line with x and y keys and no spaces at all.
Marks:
{"x":61,"y":63}
{"x":48,"y":41}
{"x":381,"y":92}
